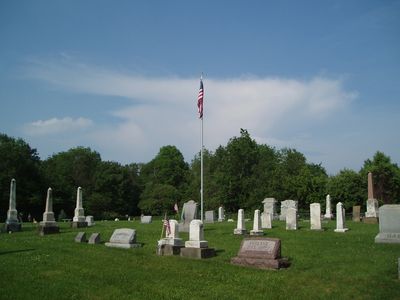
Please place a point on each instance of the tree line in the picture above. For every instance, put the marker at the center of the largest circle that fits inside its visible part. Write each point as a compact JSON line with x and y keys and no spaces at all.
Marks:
{"x":238,"y":175}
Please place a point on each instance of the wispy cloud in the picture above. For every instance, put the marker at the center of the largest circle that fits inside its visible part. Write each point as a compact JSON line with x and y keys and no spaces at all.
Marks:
{"x":55,"y":125}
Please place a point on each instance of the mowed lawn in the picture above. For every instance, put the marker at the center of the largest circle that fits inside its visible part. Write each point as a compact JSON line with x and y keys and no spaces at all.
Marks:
{"x":324,"y":265}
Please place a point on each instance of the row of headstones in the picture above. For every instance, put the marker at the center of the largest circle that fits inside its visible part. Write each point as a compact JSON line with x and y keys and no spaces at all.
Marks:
{"x":48,"y":225}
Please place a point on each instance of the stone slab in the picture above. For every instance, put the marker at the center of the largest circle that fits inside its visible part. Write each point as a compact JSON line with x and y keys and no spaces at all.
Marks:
{"x":94,"y":238}
{"x":81,"y":237}
{"x":356,"y":213}
{"x":146,"y":219}
{"x":239,"y":231}
{"x":13,"y":227}
{"x":261,"y":263}
{"x":123,"y":236}
{"x":45,"y":229}
{"x":196,"y":244}
{"x":168,"y":250}
{"x":209,"y":217}
{"x":79,"y":224}
{"x":370,"y":220}
{"x":197,"y":253}
{"x":124,"y":246}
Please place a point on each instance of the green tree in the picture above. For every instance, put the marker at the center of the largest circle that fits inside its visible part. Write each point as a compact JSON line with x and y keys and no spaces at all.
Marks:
{"x":158,"y":198}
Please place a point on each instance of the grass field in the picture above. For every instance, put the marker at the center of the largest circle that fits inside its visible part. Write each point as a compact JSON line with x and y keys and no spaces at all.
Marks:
{"x":324,"y":265}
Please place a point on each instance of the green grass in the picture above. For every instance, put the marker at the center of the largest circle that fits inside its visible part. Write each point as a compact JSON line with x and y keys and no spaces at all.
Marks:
{"x":324,"y":265}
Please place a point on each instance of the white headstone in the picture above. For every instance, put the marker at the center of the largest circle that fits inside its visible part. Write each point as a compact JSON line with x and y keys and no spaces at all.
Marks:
{"x":241,"y":226}
{"x":372,"y":208}
{"x":79,"y":213}
{"x":328,"y":212}
{"x":172,"y":237}
{"x":123,"y":238}
{"x":266,"y":220}
{"x":196,"y":235}
{"x":221,"y":214}
{"x":145,"y":219}
{"x":340,"y":218}
{"x":256,"y":224}
{"x":209,"y":217}
{"x":291,"y":218}
{"x":189,"y":213}
{"x":270,"y":207}
{"x":90,"y":220}
{"x":284,"y":207}
{"x":12,"y":223}
{"x":389,"y":224}
{"x":315,"y":216}
{"x":48,"y":215}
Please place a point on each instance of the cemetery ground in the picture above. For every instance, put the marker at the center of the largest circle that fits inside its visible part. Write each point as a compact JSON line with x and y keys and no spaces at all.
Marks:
{"x":324,"y":264}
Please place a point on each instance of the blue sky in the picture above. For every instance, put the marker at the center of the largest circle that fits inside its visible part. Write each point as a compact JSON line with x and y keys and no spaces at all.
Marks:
{"x":122,"y":77}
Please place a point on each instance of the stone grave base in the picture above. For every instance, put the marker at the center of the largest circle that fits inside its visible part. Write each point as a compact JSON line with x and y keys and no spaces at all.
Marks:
{"x":256,"y":232}
{"x":124,"y":246}
{"x":79,"y":224}
{"x":341,"y":230}
{"x":184,"y":227}
{"x":168,"y":250}
{"x":198,"y":253}
{"x":43,"y":230}
{"x":221,"y":220}
{"x":13,"y":227}
{"x":260,"y":263}
{"x":389,"y":238}
{"x":239,"y":231}
{"x":370,"y":220}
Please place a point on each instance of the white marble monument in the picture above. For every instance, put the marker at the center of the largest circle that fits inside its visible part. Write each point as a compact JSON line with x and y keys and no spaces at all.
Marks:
{"x":49,"y":224}
{"x":79,"y":219}
{"x":340,"y":218}
{"x":291,"y":218}
{"x":315,"y":216}
{"x":284,"y":207}
{"x":221,"y":214}
{"x":328,"y":213}
{"x":189,"y":213}
{"x":270,"y":207}
{"x":266,"y":220}
{"x":256,"y":224}
{"x":197,"y":246}
{"x":241,"y":226}
{"x":372,"y":212}
{"x":12,"y":223}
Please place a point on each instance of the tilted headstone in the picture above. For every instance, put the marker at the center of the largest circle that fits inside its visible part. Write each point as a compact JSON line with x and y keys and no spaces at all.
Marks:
{"x":81,"y":237}
{"x":90,"y":221}
{"x":197,"y":246}
{"x":340,"y":218}
{"x":12,"y":223}
{"x":146,"y":219}
{"x":270,"y":207}
{"x":328,"y":211}
{"x":291,"y":218}
{"x":315,"y":216}
{"x":356,"y":213}
{"x":284,"y":207}
{"x":209,"y":217}
{"x":389,"y":224}
{"x":48,"y":225}
{"x":221,"y":214}
{"x":94,"y":238}
{"x":189,"y":213}
{"x":256,"y":224}
{"x":79,"y":219}
{"x":123,"y":238}
{"x":266,"y":220}
{"x":262,"y":253}
{"x":241,"y":226}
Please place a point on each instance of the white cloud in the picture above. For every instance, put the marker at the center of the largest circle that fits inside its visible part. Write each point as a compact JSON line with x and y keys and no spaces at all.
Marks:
{"x":55,"y":125}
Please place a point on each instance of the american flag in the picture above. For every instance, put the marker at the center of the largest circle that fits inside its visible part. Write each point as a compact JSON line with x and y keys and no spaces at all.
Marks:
{"x":200,"y":99}
{"x":167,"y":227}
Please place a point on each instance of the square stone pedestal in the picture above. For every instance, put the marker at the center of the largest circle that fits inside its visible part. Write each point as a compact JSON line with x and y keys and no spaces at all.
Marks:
{"x":198,"y":253}
{"x":168,"y":250}
{"x":79,"y":224}
{"x":44,"y":230}
{"x":239,"y":231}
{"x":12,"y":226}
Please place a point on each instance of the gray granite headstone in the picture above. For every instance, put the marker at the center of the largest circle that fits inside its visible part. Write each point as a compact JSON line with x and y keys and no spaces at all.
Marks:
{"x":209,"y":217}
{"x":356,"y":213}
{"x":145,"y":219}
{"x":81,"y":237}
{"x":123,"y":238}
{"x":94,"y":238}
{"x":189,"y":213}
{"x":389,"y":224}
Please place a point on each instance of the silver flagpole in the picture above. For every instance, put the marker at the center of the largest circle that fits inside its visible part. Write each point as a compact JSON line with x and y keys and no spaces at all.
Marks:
{"x":201,"y":161}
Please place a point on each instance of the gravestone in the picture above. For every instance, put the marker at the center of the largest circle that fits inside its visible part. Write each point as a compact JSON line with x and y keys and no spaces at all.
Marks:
{"x":209,"y":216}
{"x":221,"y":214}
{"x":90,"y":221}
{"x":372,"y":213}
{"x":241,"y":226}
{"x":262,"y":253}
{"x":356,"y":213}
{"x":266,"y":220}
{"x":79,"y":219}
{"x":197,"y":247}
{"x":270,"y":207}
{"x":328,"y":213}
{"x":145,"y":219}
{"x":340,"y":218}
{"x":389,"y":224}
{"x":171,"y":244}
{"x":315,"y":216}
{"x":256,"y":224}
{"x":284,"y":207}
{"x":291,"y":219}
{"x":49,"y":224}
{"x":123,"y":238}
{"x":94,"y":238}
{"x":81,"y":237}
{"x":12,"y":223}
{"x":189,"y":213}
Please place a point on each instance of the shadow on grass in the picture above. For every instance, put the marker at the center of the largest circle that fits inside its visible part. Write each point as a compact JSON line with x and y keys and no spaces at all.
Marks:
{"x":16,"y":251}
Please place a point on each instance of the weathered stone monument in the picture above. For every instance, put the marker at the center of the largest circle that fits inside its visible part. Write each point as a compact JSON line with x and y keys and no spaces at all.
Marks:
{"x":209,"y":217}
{"x":340,"y":218}
{"x":356,"y":213}
{"x":328,"y":213}
{"x":146,"y":219}
{"x":80,"y":237}
{"x":49,"y":224}
{"x":171,"y":244}
{"x":79,"y":219}
{"x":241,"y":226}
{"x":266,"y":220}
{"x":315,"y":216}
{"x":256,"y":224}
{"x":123,"y":238}
{"x":197,"y":247}
{"x":261,"y":253}
{"x":94,"y":238}
{"x":291,"y":218}
{"x":372,"y":213}
{"x":189,"y":213}
{"x":270,"y":207}
{"x":90,"y":221}
{"x":12,"y":223}
{"x":284,"y":207}
{"x":221,"y":214}
{"x":389,"y":224}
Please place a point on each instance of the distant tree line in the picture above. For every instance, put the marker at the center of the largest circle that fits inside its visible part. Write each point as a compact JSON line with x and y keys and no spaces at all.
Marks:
{"x":238,"y":175}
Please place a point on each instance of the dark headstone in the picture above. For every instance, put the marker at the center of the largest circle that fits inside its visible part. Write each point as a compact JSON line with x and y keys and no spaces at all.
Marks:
{"x":262,"y":253}
{"x":44,"y":230}
{"x":356,"y":213}
{"x":81,"y":237}
{"x":79,"y":224}
{"x":94,"y":238}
